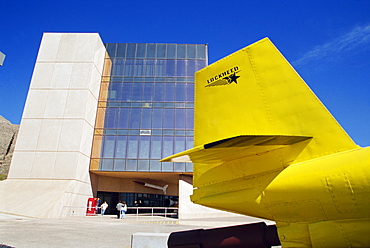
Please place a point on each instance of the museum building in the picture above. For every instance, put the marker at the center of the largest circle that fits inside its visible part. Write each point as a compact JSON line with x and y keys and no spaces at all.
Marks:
{"x":97,"y":120}
{"x":145,"y":113}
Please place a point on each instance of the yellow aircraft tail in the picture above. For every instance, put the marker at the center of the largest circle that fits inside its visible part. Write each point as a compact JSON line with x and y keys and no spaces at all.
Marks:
{"x":257,"y":125}
{"x":254,"y":94}
{"x":255,"y":91}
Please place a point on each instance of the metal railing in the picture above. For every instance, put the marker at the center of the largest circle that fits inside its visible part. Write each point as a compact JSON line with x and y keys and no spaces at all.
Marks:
{"x":154,"y":211}
{"x":137,"y":211}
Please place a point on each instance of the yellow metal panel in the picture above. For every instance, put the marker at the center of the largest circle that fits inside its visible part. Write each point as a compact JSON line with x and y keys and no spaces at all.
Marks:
{"x":340,"y":233}
{"x":267,"y":98}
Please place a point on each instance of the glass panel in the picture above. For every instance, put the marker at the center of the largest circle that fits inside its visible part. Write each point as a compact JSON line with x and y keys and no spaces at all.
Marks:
{"x":123,"y":118}
{"x":121,"y":147}
{"x":129,"y":68}
{"x":150,"y":53}
{"x":170,"y":68}
{"x":131,"y":50}
{"x":126,"y":91}
{"x":113,"y":104}
{"x":191,"y":51}
{"x":170,"y":92}
{"x":200,"y":64}
{"x":171,"y":51}
{"x":189,"y":167}
{"x":190,"y":92}
{"x":180,"y":133}
{"x":157,"y":118}
{"x":122,"y":132}
{"x":167,"y":146}
{"x":190,"y":68}
{"x":149,"y":70}
{"x":121,"y":50}
{"x":111,"y":118}
{"x":118,"y":65}
{"x":140,"y":52}
{"x":132,"y":147}
{"x":157,"y":132}
{"x":158,"y":92}
{"x":159,"y":68}
{"x":115,"y":91}
{"x":169,"y":104}
{"x":189,"y":118}
{"x":189,"y":142}
{"x":156,"y":147}
{"x":131,"y":165}
{"x":134,"y":132}
{"x":180,"y":119}
{"x":137,"y":92}
{"x":155,"y":165}
{"x":167,"y":167}
{"x":190,"y":133}
{"x":110,"y":132}
{"x":181,"y":51}
{"x":143,"y":165}
{"x":179,"y":167}
{"x":190,"y":105}
{"x":106,"y":164}
{"x":180,"y":105}
{"x":135,"y":118}
{"x":201,"y":51}
{"x":158,"y":105}
{"x":119,"y":164}
{"x":179,"y":144}
{"x":148,"y":92}
{"x":181,"y":69}
{"x":169,"y":132}
{"x":144,"y":147}
{"x":111,"y":49}
{"x":136,"y":105}
{"x":138,"y":79}
{"x":146,"y":119}
{"x":169,"y":118}
{"x":108,"y":147}
{"x":161,"y":51}
{"x":146,"y":105}
{"x":139,"y":68}
{"x":180,"y":92}
{"x":127,"y":79}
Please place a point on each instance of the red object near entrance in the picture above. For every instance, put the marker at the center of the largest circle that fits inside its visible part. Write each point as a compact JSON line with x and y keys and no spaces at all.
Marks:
{"x":92,"y":206}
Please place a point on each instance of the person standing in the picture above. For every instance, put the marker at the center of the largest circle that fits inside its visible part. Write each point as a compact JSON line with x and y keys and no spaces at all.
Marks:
{"x":123,"y":210}
{"x":119,"y":207}
{"x":104,"y":207}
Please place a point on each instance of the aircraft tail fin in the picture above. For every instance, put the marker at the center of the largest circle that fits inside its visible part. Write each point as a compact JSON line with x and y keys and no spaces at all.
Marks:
{"x":255,"y":91}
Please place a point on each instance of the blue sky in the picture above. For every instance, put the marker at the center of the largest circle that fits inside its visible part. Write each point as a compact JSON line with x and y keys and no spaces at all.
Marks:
{"x":328,"y":42}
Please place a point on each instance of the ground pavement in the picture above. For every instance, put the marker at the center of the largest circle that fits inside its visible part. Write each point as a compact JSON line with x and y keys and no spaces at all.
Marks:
{"x":95,"y":231}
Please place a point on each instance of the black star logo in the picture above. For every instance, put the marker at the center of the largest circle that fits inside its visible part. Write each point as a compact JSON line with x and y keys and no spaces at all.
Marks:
{"x":232,"y":78}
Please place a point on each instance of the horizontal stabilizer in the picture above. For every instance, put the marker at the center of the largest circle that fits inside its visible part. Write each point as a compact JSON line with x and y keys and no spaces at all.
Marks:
{"x":235,"y":148}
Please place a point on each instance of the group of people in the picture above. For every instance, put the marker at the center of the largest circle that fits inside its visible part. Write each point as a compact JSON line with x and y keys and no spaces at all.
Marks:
{"x":121,"y":209}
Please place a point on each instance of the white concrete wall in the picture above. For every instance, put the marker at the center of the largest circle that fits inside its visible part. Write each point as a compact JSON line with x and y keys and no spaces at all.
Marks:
{"x":149,"y":240}
{"x":56,"y":131}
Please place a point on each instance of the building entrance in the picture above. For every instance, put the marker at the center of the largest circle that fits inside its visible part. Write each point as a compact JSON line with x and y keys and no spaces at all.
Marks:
{"x":136,"y":200}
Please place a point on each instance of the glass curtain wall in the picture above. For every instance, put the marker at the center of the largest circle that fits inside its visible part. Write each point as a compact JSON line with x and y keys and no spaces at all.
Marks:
{"x":146,"y":106}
